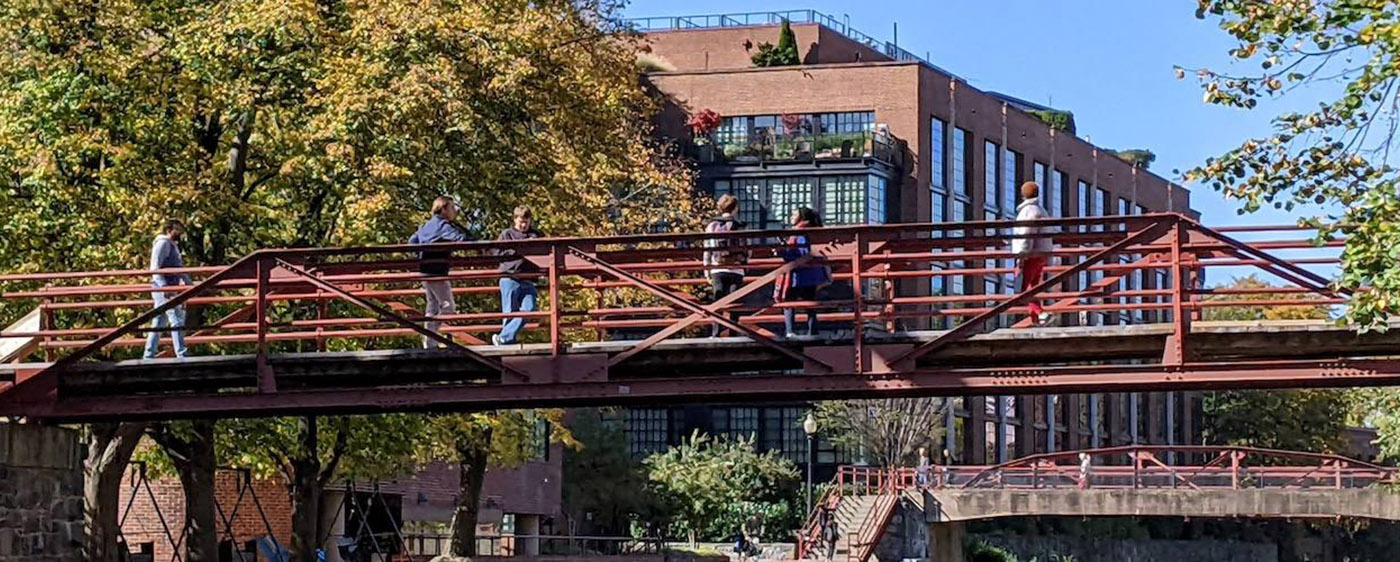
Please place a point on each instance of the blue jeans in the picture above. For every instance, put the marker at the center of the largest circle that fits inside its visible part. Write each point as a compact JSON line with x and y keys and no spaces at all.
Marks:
{"x":516,"y":296}
{"x":790,"y":314}
{"x":173,"y":318}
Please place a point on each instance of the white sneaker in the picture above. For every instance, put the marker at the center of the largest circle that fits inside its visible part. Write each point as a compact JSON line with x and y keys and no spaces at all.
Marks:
{"x":496,"y":339}
{"x":1044,"y":318}
{"x":791,"y":335}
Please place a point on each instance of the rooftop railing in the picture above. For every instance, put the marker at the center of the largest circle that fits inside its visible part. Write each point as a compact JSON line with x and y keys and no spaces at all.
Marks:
{"x":746,"y":19}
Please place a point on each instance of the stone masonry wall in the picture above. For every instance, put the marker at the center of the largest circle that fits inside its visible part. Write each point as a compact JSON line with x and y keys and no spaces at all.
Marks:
{"x":1141,"y":550}
{"x":41,"y":494}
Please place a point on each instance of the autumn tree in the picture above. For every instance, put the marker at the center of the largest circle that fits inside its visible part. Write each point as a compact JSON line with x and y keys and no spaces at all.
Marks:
{"x":1296,"y":420}
{"x":1331,"y":162}
{"x":890,"y":431}
{"x":269,"y":124}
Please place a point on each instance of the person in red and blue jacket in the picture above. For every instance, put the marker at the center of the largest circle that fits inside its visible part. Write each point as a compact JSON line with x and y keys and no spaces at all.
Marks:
{"x":804,"y":282}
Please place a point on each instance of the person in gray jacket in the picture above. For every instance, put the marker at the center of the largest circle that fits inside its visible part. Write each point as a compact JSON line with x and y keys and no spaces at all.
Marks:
{"x":165,"y":254}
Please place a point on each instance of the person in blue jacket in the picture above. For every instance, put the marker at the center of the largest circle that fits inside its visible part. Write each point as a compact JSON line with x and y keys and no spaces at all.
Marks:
{"x":804,"y":282}
{"x":165,"y":254}
{"x":441,"y":227}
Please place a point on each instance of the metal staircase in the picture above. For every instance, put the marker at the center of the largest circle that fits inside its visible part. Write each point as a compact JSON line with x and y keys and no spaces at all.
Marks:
{"x":862,"y":501}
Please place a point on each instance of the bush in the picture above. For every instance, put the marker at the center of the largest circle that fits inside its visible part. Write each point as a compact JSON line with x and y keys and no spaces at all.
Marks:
{"x":1058,"y":120}
{"x":784,"y":54}
{"x":711,"y":485}
{"x":985,"y":552}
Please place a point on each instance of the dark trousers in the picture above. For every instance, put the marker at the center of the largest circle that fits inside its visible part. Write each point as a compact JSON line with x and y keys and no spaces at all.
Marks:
{"x":725,"y":283}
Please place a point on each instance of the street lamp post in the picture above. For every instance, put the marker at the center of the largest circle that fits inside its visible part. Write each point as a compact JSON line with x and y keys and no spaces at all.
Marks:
{"x":809,"y":426}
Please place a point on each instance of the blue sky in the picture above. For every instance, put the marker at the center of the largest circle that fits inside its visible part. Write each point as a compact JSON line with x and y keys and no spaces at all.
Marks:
{"x":1110,"y":62}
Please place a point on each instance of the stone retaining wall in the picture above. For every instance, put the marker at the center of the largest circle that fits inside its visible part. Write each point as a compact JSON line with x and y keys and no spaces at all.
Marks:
{"x":41,"y":494}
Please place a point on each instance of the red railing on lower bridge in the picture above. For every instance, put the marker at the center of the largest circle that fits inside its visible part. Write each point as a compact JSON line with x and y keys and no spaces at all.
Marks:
{"x":1133,"y":467}
{"x":635,"y":292}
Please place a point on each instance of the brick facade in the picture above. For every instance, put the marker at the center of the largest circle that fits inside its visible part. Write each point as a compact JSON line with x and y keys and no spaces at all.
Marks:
{"x":143,"y":524}
{"x":713,"y":71}
{"x":531,"y":489}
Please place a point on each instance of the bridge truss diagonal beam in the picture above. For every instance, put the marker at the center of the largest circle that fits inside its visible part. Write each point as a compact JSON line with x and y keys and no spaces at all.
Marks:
{"x":710,"y":312}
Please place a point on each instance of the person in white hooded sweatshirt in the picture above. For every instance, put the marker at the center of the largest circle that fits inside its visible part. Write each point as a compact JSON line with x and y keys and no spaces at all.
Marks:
{"x":1031,"y":246}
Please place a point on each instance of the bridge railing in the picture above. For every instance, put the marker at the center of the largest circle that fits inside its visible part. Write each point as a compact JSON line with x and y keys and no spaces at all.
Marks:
{"x":1133,"y":467}
{"x":887,"y":280}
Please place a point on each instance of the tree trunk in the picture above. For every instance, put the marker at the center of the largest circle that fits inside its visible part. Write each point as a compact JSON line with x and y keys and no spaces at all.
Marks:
{"x":110,"y":447}
{"x":193,"y":455}
{"x":305,"y":490}
{"x":472,"y":456}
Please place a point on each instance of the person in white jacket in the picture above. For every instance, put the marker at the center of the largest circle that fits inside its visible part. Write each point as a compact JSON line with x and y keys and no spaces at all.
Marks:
{"x":1031,"y":246}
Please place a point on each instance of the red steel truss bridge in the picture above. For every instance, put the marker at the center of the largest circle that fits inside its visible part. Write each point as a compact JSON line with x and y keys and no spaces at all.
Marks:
{"x":916,"y":309}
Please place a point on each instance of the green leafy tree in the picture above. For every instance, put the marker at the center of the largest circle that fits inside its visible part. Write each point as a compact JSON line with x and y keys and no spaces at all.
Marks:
{"x":889,"y":431}
{"x":295,"y":124}
{"x":711,"y":485}
{"x":1333,"y":159}
{"x":784,"y":54}
{"x":605,"y":487}
{"x":1294,"y":420}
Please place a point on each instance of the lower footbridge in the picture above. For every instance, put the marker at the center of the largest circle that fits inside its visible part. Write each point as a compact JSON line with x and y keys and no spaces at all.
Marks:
{"x":889,"y":513}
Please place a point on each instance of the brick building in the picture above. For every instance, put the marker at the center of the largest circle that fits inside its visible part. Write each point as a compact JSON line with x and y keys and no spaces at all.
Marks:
{"x":521,"y":500}
{"x":865,"y":132}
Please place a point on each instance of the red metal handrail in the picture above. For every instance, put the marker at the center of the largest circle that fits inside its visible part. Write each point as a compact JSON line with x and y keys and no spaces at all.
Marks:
{"x":597,"y":289}
{"x":1138,"y":466}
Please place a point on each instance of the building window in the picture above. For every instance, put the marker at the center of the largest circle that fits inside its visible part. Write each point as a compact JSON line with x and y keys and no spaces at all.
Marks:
{"x":648,"y":430}
{"x":990,"y":163}
{"x":1086,"y":199}
{"x":875,"y":200}
{"x":938,"y":139}
{"x":960,"y":163}
{"x":1047,"y":191}
{"x":1102,"y":205}
{"x":846,"y":123}
{"x":782,"y":431}
{"x":733,"y":131}
{"x":1009,"y":177}
{"x":736,"y":423}
{"x":1060,"y":196}
{"x":751,"y":195}
{"x":787,"y":194}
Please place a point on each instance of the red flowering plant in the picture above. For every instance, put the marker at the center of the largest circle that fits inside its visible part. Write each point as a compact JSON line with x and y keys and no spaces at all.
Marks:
{"x":702,"y":124}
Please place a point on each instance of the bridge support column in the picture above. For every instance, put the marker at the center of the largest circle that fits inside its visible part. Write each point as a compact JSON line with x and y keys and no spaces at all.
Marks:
{"x":945,"y":541}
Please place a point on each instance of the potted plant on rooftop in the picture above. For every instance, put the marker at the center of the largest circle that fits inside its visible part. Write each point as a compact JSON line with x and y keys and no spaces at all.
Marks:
{"x":702,"y":127}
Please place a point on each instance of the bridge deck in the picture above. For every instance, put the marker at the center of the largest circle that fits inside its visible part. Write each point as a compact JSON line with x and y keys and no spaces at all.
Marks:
{"x":1021,"y":361}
